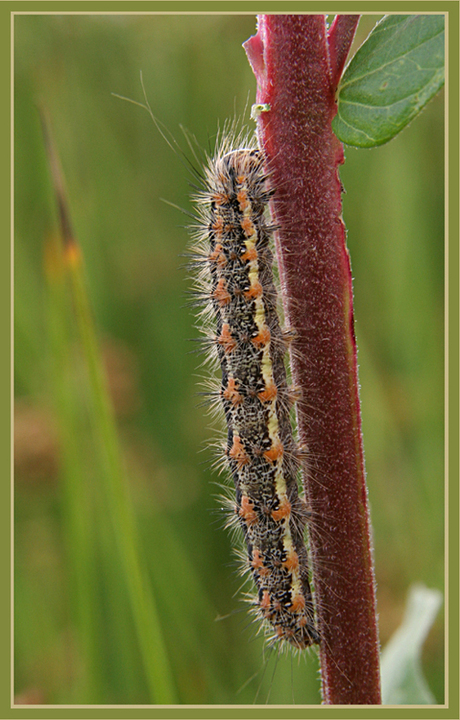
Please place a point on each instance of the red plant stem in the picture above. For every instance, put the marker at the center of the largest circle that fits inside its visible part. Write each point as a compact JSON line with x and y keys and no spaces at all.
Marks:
{"x":297,"y":73}
{"x":339,"y":39}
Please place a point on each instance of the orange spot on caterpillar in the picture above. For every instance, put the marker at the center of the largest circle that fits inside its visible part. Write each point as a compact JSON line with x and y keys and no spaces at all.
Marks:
{"x":254,"y":291}
{"x":292,"y":560}
{"x":238,"y":453}
{"x":217,"y":256}
{"x":283,"y":511}
{"x":247,"y":511}
{"x":250,"y":254}
{"x":298,"y":603}
{"x":262,"y":337}
{"x":247,"y":226}
{"x":219,"y":198}
{"x":268,"y":394}
{"x":221,"y":293}
{"x":275,"y":452}
{"x":231,"y":393}
{"x":226,"y":339}
{"x":243,"y":201}
{"x":265,"y":602}
{"x":218,"y":226}
{"x":258,"y":564}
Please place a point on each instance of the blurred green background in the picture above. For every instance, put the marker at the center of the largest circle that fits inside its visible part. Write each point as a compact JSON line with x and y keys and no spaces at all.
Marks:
{"x":75,"y":641}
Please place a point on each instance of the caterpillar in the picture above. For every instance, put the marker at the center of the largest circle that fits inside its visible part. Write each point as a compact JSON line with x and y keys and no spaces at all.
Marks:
{"x":236,"y":289}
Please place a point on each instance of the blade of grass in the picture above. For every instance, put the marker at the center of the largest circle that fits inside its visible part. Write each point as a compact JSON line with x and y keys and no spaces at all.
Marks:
{"x":119,"y":503}
{"x":78,"y":529}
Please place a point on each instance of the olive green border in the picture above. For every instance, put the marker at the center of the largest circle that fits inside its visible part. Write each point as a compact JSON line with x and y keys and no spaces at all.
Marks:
{"x":451,"y":709}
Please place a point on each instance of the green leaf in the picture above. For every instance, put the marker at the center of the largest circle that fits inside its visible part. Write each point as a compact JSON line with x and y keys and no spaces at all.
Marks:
{"x":396,"y":71}
{"x":403,"y":682}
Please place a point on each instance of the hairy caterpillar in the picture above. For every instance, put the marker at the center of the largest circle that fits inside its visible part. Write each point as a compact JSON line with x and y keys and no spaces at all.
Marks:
{"x":236,"y":287}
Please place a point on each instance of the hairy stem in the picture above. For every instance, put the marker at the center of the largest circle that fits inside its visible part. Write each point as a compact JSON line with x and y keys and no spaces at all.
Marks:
{"x":297,"y":66}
